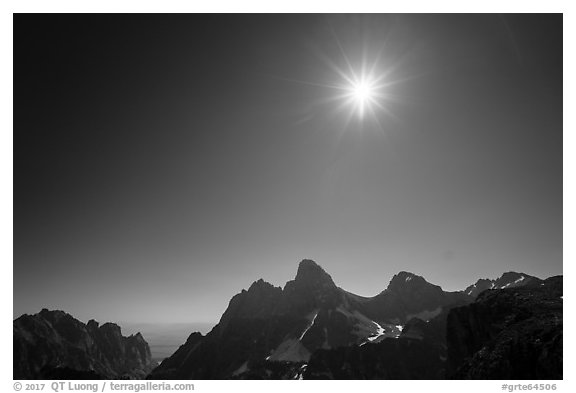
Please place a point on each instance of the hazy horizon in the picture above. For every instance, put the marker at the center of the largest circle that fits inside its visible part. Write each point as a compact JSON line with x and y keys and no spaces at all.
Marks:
{"x":163,"y":163}
{"x":203,"y":326}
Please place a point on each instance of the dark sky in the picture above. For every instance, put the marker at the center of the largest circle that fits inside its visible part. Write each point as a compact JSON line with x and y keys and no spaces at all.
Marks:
{"x":164,"y":162}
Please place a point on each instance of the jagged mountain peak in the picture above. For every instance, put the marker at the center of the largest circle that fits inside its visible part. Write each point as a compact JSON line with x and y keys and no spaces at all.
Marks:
{"x":266,"y":328}
{"x":309,"y":272}
{"x":512,"y":276}
{"x":405,"y":275}
{"x":93,"y":322}
{"x":311,"y":289}
{"x":506,"y":280}
{"x":53,"y":315}
{"x":258,"y":301}
{"x":137,"y":336}
{"x":194,"y":337}
{"x":404,"y":280}
{"x":261,"y":285}
{"x":111,"y":328}
{"x":73,"y":348}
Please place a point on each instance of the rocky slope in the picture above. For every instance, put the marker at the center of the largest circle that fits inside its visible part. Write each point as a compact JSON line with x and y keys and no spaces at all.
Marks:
{"x":54,"y":345}
{"x":405,"y":357}
{"x":418,"y":353}
{"x":512,"y":333}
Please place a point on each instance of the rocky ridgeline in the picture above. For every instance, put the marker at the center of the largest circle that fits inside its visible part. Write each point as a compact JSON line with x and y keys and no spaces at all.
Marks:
{"x":268,"y":332}
{"x":507,"y":328}
{"x":312,"y":329}
{"x":513,"y":333}
{"x":55,"y":345}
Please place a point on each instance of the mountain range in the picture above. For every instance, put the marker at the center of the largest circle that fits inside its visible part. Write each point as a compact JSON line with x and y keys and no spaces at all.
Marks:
{"x":506,"y":328}
{"x":313,"y":329}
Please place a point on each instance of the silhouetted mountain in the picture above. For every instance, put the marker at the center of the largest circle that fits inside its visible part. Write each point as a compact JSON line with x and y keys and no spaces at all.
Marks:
{"x":507,"y":280}
{"x":169,"y":367}
{"x":527,"y":348}
{"x":54,"y":345}
{"x":512,"y":333}
{"x":267,"y":326}
{"x":410,"y":296}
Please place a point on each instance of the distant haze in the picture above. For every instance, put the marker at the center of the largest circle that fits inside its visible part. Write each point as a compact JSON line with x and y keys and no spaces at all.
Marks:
{"x":164,"y":338}
{"x":162,"y":163}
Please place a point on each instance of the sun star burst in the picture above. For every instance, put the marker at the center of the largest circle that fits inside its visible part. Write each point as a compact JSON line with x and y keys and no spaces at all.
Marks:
{"x":362,"y":89}
{"x":363,"y":94}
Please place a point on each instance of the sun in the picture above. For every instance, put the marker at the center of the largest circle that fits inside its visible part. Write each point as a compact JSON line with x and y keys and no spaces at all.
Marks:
{"x":359,"y":88}
{"x":362,"y":91}
{"x":363,"y":94}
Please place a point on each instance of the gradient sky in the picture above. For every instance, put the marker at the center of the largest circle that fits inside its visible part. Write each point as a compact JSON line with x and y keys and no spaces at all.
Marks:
{"x":163,"y":163}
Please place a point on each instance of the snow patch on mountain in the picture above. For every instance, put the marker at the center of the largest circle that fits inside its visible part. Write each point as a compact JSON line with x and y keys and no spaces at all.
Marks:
{"x":300,"y":373}
{"x":290,"y":350}
{"x":364,"y":327}
{"x":379,"y":332}
{"x":309,"y":325}
{"x":517,"y":281}
{"x":367,"y":330}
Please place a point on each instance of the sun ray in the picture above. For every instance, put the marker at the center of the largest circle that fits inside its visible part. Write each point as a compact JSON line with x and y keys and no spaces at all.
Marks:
{"x":303,"y":82}
{"x":344,"y":56}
